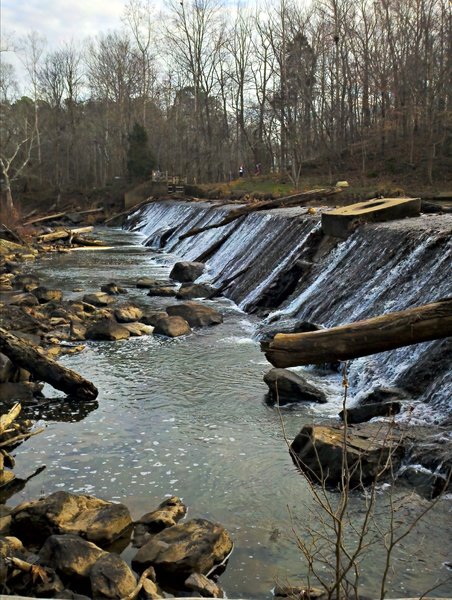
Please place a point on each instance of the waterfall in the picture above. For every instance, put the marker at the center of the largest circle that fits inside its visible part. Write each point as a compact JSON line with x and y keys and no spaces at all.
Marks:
{"x":378,"y":269}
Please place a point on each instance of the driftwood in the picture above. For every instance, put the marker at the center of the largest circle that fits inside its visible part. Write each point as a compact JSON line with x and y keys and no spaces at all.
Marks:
{"x":379,"y":334}
{"x":26,"y":355}
{"x":63,"y":234}
{"x":46,"y":218}
{"x":294,"y":199}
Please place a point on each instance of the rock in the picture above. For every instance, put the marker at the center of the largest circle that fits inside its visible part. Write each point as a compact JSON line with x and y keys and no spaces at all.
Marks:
{"x":150,"y":590}
{"x":111,"y":578}
{"x":127,"y":313}
{"x":172,"y":326}
{"x":45,"y":295}
{"x":188,"y":291}
{"x":360,"y":414}
{"x":187,"y":271}
{"x":286,"y":386}
{"x":94,"y":519}
{"x":77,"y":330}
{"x":107,"y":330}
{"x":168,"y":513}
{"x":24,"y":299}
{"x":146,"y":282}
{"x":203,"y":585}
{"x":162,"y":290}
{"x":98,"y":299}
{"x":138,"y":329}
{"x":71,"y":556}
{"x":383,"y":394}
{"x":5,"y":520}
{"x":112,"y":289}
{"x":369,"y":450}
{"x":26,"y":282}
{"x":196,"y":546}
{"x":427,"y":484}
{"x":70,"y":595}
{"x":7,"y":369}
{"x":23,"y":391}
{"x":196,"y":314}
{"x":11,"y":546}
{"x":152,"y":316}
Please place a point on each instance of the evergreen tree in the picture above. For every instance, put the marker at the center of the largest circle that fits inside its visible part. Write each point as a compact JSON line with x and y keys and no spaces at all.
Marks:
{"x":139,"y":157}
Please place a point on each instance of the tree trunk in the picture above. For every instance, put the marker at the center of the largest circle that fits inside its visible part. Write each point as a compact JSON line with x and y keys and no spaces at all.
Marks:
{"x":27,"y":356}
{"x":379,"y":334}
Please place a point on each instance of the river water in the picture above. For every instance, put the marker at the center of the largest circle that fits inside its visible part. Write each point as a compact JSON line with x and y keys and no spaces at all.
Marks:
{"x":188,"y":417}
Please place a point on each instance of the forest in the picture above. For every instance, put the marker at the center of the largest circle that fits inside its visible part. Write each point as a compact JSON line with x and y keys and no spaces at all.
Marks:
{"x":204,"y":87}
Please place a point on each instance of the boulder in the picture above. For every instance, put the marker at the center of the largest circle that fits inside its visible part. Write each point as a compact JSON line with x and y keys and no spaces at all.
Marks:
{"x":305,"y":592}
{"x":150,"y":590}
{"x":77,"y":330}
{"x":203,"y":585}
{"x":168,"y":513}
{"x":171,"y":326}
{"x":5,"y":520}
{"x":187,"y":271}
{"x":24,"y":299}
{"x":94,"y":519}
{"x":286,"y":386}
{"x":146,"y":282}
{"x":98,"y":299}
{"x":7,"y":369}
{"x":196,"y":546}
{"x":383,"y":394}
{"x":138,"y":329}
{"x":370,"y":451}
{"x":360,"y":414}
{"x":162,"y":290}
{"x":196,"y":314}
{"x":127,"y":313}
{"x":26,"y":282}
{"x":71,"y":556}
{"x":112,"y":289}
{"x":107,"y":330}
{"x":151,"y":317}
{"x":188,"y":291}
{"x":111,"y":578}
{"x":45,"y":295}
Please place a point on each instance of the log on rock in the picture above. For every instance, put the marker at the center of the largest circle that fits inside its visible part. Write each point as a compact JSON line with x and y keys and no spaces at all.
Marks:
{"x":378,"y":334}
{"x":27,"y":355}
{"x":292,"y":200}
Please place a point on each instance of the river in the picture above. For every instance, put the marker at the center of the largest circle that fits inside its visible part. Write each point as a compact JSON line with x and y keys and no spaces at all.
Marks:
{"x":188,"y":417}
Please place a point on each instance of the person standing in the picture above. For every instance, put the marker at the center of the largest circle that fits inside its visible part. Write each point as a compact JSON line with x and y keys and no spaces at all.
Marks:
{"x":241,"y":170}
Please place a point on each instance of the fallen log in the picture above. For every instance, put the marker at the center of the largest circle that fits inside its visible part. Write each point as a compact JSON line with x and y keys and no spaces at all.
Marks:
{"x":294,"y":199}
{"x":27,"y":355}
{"x":378,"y":334}
{"x":63,"y":234}
{"x":58,"y":215}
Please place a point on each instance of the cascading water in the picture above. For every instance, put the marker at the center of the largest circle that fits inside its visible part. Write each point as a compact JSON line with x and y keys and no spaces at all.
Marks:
{"x":380,"y":268}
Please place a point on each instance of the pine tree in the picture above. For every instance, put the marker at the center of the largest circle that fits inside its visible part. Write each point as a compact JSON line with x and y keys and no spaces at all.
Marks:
{"x":139,"y":157}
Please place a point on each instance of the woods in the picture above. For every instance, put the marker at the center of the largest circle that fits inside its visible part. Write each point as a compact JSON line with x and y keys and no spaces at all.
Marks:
{"x":336,"y":83}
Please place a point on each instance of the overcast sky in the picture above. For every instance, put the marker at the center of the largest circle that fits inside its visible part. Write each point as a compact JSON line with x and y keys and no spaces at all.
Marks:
{"x":60,"y":20}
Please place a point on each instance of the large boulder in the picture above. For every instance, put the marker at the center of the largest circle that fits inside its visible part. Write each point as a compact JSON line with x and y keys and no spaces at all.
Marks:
{"x":286,"y":386}
{"x":107,"y":330}
{"x":171,"y":326}
{"x":370,"y":451}
{"x":98,"y":299}
{"x":94,"y":519}
{"x":366,"y":412}
{"x":162,"y":290}
{"x":138,"y":329}
{"x":127,"y":313}
{"x":151,"y":317}
{"x":45,"y":295}
{"x":146,"y":282}
{"x":187,"y":271}
{"x":71,"y":556}
{"x":202,"y":585}
{"x":168,"y":513}
{"x":26,"y":282}
{"x":112,"y":289}
{"x":196,"y":546}
{"x":188,"y":291}
{"x":196,"y":314}
{"x":111,"y":578}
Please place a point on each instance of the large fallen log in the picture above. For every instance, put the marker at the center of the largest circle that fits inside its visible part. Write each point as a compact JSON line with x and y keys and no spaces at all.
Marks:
{"x":58,"y":215}
{"x":27,"y":355}
{"x":294,"y":199}
{"x":379,"y":334}
{"x":63,"y":234}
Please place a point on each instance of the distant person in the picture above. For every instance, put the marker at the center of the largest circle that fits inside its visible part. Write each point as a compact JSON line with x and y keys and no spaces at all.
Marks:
{"x":241,"y":170}
{"x":258,"y":168}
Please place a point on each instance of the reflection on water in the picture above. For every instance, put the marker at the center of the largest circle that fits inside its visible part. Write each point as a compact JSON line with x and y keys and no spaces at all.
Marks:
{"x":188,"y":417}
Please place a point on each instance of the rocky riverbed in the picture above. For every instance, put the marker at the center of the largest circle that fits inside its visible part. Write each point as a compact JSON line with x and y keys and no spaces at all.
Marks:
{"x":108,"y":312}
